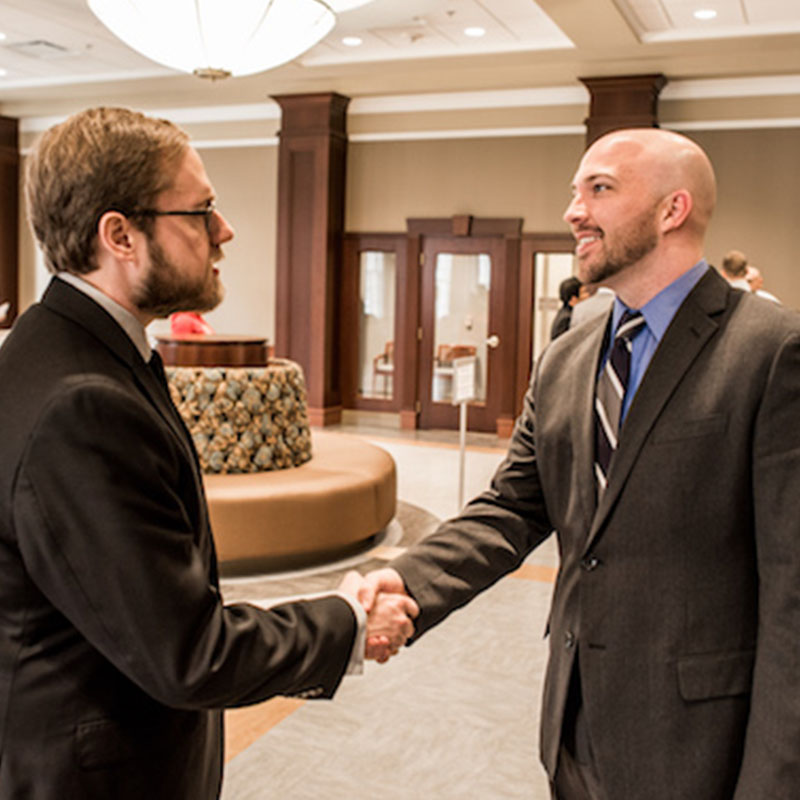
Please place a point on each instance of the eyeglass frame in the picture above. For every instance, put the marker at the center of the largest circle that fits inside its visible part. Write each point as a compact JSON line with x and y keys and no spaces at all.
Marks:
{"x":207,"y":213}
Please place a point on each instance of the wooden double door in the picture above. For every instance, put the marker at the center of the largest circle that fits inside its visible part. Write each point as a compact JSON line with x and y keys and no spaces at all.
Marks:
{"x":416,"y":305}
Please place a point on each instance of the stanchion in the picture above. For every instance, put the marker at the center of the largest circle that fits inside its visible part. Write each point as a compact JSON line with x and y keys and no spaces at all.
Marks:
{"x":463,"y":394}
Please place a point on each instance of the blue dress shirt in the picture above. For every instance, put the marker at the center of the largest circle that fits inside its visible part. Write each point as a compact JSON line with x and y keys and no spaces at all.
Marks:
{"x":658,"y":313}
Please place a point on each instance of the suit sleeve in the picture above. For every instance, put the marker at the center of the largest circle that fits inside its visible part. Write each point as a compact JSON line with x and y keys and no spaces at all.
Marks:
{"x":770,"y":766}
{"x":105,"y":515}
{"x":488,"y":539}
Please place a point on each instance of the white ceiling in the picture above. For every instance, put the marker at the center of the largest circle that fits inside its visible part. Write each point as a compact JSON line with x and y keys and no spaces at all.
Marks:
{"x":56,"y":49}
{"x":672,"y":20}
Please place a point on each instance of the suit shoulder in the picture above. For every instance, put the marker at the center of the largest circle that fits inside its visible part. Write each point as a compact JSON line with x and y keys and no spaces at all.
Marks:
{"x":764,"y":319}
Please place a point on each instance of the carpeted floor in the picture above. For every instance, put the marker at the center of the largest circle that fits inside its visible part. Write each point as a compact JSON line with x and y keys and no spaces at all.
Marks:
{"x":454,"y":717}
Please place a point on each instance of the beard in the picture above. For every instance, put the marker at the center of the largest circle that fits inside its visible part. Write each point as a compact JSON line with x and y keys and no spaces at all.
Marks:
{"x":629,"y":244}
{"x":165,"y":289}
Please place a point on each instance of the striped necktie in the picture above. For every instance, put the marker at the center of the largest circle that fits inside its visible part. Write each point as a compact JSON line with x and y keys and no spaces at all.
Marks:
{"x":611,"y":385}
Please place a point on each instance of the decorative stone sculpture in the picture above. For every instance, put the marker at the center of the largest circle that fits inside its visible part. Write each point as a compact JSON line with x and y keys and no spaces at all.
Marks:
{"x":244,"y":419}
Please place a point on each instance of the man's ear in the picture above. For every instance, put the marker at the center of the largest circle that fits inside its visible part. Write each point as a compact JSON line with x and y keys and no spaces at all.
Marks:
{"x":114,"y":235}
{"x":677,"y":207}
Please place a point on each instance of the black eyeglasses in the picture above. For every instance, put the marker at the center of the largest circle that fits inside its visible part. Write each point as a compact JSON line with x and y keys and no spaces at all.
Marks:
{"x":207,"y":213}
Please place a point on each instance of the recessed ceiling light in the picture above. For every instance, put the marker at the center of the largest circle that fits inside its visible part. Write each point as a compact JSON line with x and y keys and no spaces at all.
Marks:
{"x":705,"y":13}
{"x":352,"y":41}
{"x":2,"y":36}
{"x":3,"y":72}
{"x":475,"y":32}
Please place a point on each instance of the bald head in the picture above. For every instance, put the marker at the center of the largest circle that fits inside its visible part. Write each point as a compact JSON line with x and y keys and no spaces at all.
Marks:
{"x":642,"y":199}
{"x":665,"y":162}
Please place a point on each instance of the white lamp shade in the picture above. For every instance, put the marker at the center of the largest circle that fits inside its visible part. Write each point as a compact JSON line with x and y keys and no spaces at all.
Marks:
{"x":217,"y":36}
{"x":345,"y":5}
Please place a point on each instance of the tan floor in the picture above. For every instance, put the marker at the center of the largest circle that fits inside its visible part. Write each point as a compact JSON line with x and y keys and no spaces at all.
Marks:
{"x":454,"y":716}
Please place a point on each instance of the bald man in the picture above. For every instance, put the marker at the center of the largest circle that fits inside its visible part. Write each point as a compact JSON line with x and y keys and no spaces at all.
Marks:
{"x":674,"y":669}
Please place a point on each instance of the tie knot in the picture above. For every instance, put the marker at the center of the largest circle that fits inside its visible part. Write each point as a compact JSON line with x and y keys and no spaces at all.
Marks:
{"x":629,"y":325}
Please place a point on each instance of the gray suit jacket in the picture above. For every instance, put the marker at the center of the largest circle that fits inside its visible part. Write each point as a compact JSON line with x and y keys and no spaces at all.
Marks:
{"x":116,"y":652}
{"x":680,"y":591}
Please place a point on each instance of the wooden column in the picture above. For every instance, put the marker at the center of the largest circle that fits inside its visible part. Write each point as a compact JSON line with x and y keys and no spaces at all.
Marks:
{"x":9,"y":216}
{"x":628,"y":101}
{"x":311,"y":180}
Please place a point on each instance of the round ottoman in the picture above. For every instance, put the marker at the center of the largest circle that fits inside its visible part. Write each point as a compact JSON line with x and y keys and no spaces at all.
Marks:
{"x":324,"y":509}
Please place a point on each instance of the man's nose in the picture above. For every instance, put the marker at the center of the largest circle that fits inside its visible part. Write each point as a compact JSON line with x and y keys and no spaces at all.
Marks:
{"x":575,"y":211}
{"x":222,"y":229}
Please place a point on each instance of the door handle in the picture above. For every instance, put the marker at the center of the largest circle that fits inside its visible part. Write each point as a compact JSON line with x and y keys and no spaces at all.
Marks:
{"x":493,"y":341}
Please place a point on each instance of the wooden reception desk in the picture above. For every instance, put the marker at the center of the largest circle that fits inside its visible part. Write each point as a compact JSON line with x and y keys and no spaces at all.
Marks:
{"x":212,"y":350}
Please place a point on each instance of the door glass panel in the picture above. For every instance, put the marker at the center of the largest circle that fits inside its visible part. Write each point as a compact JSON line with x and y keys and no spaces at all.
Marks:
{"x":461,"y":326}
{"x":376,"y":324}
{"x":550,"y":269}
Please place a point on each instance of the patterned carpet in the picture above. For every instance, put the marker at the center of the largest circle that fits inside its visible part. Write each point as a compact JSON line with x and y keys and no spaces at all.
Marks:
{"x":454,"y":717}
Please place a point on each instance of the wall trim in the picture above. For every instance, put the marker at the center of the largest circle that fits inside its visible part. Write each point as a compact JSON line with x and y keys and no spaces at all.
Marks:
{"x":467,"y":133}
{"x":459,"y":101}
{"x":775,"y":85}
{"x":707,"y":89}
{"x":732,"y":124}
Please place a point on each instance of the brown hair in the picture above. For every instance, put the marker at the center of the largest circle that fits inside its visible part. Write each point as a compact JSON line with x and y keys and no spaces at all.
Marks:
{"x":98,"y":160}
{"x":735,"y":264}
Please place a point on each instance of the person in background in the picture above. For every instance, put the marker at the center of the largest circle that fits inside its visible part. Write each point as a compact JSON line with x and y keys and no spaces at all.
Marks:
{"x":569,"y":291}
{"x":734,"y":269}
{"x":756,"y":282}
{"x":595,"y":301}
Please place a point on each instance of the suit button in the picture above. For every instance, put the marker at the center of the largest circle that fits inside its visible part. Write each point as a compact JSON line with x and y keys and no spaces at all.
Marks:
{"x":569,"y":640}
{"x":590,"y":563}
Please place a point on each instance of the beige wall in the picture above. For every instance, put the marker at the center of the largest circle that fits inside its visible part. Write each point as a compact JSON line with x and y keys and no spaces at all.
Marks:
{"x":758,"y":175}
{"x":246,"y":182}
{"x":524,"y":177}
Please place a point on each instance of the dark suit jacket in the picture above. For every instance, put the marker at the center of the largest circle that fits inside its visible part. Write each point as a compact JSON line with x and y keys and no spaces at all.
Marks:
{"x":680,"y":592}
{"x":116,"y":652}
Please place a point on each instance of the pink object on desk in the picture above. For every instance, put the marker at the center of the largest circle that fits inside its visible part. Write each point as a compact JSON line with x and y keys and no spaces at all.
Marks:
{"x":184,"y":322}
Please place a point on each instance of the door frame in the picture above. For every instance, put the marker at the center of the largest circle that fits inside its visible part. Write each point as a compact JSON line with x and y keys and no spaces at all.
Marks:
{"x":507,"y":231}
{"x":354,"y":244}
{"x":437,"y":414}
{"x":530,"y":245}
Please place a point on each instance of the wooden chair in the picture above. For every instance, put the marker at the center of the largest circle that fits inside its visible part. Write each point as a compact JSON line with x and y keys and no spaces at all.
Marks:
{"x":383,"y":367}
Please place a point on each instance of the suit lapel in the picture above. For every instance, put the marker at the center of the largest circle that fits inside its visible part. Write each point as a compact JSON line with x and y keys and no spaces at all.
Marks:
{"x":68,"y":301}
{"x":686,"y":336}
{"x":585,"y":363}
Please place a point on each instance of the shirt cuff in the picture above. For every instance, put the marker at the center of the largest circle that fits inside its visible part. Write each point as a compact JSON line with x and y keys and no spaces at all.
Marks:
{"x":355,"y":666}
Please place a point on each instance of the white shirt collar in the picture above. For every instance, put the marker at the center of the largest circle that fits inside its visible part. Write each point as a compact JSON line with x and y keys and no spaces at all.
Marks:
{"x":122,"y":316}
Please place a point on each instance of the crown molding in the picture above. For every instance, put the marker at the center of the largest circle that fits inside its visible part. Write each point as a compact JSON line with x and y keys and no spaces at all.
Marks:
{"x":760,"y":86}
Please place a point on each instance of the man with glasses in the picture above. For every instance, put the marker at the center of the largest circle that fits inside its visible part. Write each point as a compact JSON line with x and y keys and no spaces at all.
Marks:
{"x":117,"y":654}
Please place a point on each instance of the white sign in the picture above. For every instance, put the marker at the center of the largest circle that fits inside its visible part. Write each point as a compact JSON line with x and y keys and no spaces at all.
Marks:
{"x":464,"y":379}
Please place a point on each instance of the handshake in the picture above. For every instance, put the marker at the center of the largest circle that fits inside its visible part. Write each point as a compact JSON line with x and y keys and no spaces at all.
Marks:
{"x":390,"y":610}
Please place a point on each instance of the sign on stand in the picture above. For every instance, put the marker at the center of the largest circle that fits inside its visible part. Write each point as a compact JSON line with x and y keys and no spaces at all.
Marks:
{"x":464,"y":374}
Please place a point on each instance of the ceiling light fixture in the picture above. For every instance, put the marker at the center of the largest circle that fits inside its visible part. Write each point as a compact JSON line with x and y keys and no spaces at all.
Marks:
{"x":475,"y":32}
{"x":705,"y":13}
{"x":3,"y":72}
{"x":216,"y":40}
{"x":2,"y":36}
{"x":345,"y":5}
{"x":352,"y":41}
